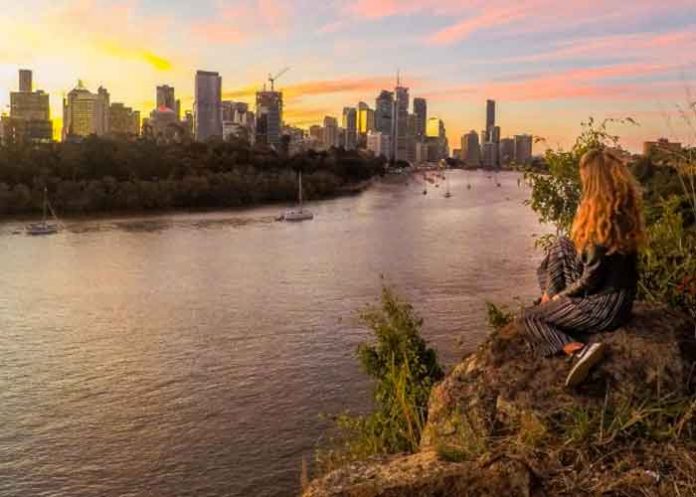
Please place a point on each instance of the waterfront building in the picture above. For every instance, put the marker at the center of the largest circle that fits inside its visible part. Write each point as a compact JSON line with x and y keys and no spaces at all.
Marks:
{"x":123,"y":121}
{"x":30,"y":115}
{"x":438,"y":147}
{"x":238,"y":121}
{"x":85,"y":113}
{"x":506,"y":151}
{"x":523,"y":149}
{"x":366,"y":118}
{"x":379,"y":143}
{"x":350,"y":124}
{"x":269,"y":117}
{"x":330,"y":130}
{"x":384,"y":109}
{"x":422,"y":150}
{"x":470,"y":149}
{"x":420,"y":109}
{"x":207,"y":106}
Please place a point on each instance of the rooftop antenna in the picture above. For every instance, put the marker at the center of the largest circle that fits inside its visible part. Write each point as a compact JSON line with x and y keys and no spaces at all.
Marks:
{"x":398,"y":77}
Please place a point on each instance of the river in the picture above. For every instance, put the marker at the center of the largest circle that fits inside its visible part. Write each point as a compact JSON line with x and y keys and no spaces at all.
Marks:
{"x":193,"y":354}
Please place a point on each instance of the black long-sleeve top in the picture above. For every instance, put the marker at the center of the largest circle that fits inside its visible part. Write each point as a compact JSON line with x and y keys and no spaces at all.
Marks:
{"x":604,"y":273}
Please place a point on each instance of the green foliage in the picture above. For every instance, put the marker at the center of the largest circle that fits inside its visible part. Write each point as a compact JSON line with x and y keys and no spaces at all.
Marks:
{"x":498,"y":317}
{"x":404,"y":369}
{"x":104,"y":174}
{"x":556,"y":193}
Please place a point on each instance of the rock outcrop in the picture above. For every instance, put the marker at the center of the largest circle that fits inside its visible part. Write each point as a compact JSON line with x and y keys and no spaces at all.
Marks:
{"x":503,"y":424}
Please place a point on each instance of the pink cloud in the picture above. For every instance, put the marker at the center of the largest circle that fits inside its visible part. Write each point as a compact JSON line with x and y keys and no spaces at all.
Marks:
{"x":489,"y":18}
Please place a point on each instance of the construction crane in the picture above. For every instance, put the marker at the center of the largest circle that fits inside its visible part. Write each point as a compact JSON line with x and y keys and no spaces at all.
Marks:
{"x":273,"y":78}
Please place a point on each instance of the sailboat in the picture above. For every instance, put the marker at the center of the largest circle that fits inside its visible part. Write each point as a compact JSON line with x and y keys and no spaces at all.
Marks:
{"x":44,"y":228}
{"x":299,"y":213}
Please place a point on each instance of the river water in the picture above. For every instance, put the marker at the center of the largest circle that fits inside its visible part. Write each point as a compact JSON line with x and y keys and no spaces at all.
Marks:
{"x":193,"y":354}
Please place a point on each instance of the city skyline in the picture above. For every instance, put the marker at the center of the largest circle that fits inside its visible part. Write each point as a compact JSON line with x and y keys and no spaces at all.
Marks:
{"x":603,"y":61}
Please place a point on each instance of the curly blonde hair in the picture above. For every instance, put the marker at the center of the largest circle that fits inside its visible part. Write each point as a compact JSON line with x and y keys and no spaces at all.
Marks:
{"x":610,"y":212}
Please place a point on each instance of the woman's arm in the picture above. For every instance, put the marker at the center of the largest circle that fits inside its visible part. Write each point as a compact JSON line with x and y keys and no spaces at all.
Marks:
{"x":593,"y":273}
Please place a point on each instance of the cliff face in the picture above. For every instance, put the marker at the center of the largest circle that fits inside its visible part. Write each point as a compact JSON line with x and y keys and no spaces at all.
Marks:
{"x":503,"y":424}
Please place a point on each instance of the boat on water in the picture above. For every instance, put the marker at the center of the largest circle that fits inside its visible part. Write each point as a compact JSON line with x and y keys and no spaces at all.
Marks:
{"x":44,"y":227}
{"x":299,"y":213}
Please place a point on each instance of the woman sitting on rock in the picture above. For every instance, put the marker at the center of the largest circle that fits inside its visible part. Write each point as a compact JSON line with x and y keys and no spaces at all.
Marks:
{"x":589,"y":283}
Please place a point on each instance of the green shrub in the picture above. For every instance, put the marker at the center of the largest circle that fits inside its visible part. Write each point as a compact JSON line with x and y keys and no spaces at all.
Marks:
{"x":404,"y":369}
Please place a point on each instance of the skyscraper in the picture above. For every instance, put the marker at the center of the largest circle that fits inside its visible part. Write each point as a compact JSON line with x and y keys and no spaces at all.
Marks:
{"x":490,"y":119}
{"x":30,"y":116}
{"x":25,"y":83}
{"x":207,"y":105}
{"x":506,"y":151}
{"x":420,"y":109}
{"x":85,"y":113}
{"x":384,"y":109}
{"x":269,"y":117}
{"x":400,"y":124}
{"x":165,"y":97}
{"x":330,"y":130}
{"x":523,"y":149}
{"x":470,"y":149}
{"x":123,"y":120}
{"x":350,"y":124}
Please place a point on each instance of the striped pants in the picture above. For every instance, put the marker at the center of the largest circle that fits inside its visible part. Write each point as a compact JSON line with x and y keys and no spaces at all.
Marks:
{"x":548,"y":327}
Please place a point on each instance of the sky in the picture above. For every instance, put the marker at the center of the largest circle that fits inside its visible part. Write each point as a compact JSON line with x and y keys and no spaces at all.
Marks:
{"x":549,"y":64}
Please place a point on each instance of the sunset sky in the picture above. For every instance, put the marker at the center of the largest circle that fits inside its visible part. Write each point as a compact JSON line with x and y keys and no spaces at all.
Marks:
{"x":549,"y":63}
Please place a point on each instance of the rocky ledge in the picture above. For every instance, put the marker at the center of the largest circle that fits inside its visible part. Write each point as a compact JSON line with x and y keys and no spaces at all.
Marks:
{"x":502,"y":423}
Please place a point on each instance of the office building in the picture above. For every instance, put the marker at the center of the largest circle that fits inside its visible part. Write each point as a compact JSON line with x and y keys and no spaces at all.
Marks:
{"x":269,"y":117}
{"x":420,"y":109}
{"x":523,"y":149}
{"x":207,"y":106}
{"x":350,"y":125}
{"x":123,"y":121}
{"x":30,"y":116}
{"x":331,"y":132}
{"x":470,"y":152}
{"x":379,"y":143}
{"x":384,"y":110}
{"x":85,"y":113}
{"x":400,"y":124}
{"x":165,"y":97}
{"x":317,"y":132}
{"x":490,"y":119}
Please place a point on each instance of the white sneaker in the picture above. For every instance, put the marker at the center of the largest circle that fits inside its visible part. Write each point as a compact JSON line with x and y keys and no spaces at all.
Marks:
{"x":586,"y":359}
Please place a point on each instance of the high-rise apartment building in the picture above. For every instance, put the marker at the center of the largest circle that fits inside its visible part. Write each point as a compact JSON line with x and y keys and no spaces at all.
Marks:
{"x":489,"y":152}
{"x":85,"y":113}
{"x":523,"y":149}
{"x":30,"y":116}
{"x":123,"y":120}
{"x":366,"y":119}
{"x":420,"y":109}
{"x":207,"y":105}
{"x":331,"y":132}
{"x":470,"y":149}
{"x":350,"y":125}
{"x":269,"y":117}
{"x":384,"y":110}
